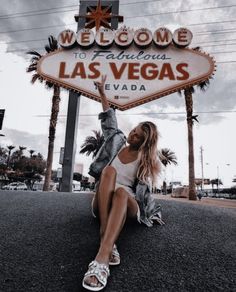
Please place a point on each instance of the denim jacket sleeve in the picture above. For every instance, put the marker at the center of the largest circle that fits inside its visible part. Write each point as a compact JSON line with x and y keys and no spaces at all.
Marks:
{"x":150,"y":210}
{"x":108,"y":122}
{"x":114,"y":140}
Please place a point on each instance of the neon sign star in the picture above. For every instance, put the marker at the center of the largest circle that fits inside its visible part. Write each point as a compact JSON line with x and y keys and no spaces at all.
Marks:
{"x":99,"y":16}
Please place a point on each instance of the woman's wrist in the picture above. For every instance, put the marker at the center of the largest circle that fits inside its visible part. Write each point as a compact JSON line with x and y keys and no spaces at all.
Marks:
{"x":101,"y":91}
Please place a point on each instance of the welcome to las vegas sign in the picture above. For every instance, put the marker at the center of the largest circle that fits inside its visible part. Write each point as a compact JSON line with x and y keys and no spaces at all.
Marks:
{"x":140,"y":65}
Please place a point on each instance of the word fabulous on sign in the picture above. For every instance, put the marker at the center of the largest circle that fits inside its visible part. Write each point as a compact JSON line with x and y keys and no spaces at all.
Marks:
{"x":124,"y":37}
{"x":140,"y":65}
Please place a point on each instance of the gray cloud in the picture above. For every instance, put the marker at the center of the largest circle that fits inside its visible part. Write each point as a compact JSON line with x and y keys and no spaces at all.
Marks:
{"x":38,"y":143}
{"x":20,"y":138}
{"x":28,"y":23}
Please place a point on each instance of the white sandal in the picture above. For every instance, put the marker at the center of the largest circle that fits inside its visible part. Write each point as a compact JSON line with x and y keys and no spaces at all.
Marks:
{"x":114,"y":254}
{"x":101,"y":272}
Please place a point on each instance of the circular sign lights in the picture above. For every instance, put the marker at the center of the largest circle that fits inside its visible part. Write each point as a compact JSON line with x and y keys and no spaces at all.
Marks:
{"x":162,"y":37}
{"x":85,"y":37}
{"x":67,"y":39}
{"x":182,"y":37}
{"x":104,"y":37}
{"x":124,"y":37}
{"x":143,"y":37}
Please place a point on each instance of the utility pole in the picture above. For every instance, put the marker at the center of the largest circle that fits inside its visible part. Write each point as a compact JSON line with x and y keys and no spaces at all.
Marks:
{"x":218,"y":175}
{"x":2,"y":113}
{"x":201,"y":158}
{"x":74,"y":97}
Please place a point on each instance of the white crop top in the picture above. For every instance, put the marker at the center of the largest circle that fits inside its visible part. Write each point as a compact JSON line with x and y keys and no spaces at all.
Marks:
{"x":126,"y":173}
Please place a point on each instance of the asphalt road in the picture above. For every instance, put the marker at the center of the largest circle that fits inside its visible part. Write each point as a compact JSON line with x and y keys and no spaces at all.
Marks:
{"x":48,"y":239}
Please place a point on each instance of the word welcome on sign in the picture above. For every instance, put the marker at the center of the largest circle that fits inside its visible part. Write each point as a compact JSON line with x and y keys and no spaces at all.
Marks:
{"x":124,"y":37}
{"x":140,"y":66}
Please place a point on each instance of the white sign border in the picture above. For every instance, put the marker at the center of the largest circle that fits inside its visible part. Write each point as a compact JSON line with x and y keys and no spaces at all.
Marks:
{"x":145,"y":99}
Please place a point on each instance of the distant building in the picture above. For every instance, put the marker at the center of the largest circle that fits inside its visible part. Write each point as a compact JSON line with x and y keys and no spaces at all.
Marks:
{"x":175,"y":184}
{"x":79,"y":167}
{"x":91,"y":179}
{"x":198,"y":181}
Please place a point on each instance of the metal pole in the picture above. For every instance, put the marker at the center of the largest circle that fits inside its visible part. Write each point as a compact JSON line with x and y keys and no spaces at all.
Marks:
{"x":218,"y":178}
{"x":70,"y":142}
{"x":73,"y":106}
{"x":201,"y":149}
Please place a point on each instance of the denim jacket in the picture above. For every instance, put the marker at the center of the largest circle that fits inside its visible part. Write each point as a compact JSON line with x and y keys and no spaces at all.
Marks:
{"x":114,"y":139}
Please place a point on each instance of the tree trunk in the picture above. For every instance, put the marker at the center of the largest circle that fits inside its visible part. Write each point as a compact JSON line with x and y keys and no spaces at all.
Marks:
{"x":51,"y":138}
{"x":8,"y":158}
{"x":189,"y":110}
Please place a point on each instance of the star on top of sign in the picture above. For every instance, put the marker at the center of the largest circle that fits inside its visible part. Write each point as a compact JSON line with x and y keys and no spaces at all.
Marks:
{"x":99,"y":16}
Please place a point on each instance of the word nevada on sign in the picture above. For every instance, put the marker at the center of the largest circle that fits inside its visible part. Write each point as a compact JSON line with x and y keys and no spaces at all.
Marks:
{"x":140,"y":66}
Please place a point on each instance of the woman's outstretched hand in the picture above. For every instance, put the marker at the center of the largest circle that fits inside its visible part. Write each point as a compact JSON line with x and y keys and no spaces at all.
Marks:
{"x":101,"y":89}
{"x":100,"y":84}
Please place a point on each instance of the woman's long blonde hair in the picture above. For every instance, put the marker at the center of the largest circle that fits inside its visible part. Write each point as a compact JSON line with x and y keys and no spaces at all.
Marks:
{"x":149,"y":166}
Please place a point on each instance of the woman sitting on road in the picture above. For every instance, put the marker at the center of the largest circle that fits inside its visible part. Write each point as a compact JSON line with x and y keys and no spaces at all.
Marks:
{"x":123,"y":174}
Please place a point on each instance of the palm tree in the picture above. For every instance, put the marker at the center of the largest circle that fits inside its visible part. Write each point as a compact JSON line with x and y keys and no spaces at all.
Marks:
{"x":10,"y":148}
{"x":216,"y":182}
{"x":189,"y":109}
{"x":31,"y":151}
{"x":21,"y":149}
{"x":92,"y":144}
{"x":3,"y":155}
{"x":188,"y":92}
{"x":166,"y":157}
{"x":52,"y":46}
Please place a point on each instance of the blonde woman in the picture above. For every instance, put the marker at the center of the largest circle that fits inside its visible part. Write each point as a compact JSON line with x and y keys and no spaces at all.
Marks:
{"x":123,"y":173}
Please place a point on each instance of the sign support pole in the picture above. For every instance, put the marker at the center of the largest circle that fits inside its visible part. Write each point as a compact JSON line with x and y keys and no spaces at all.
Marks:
{"x":73,"y":106}
{"x":70,"y":142}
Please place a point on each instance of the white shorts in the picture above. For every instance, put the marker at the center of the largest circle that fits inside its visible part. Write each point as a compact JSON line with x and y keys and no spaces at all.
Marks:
{"x":131,"y":193}
{"x":127,"y":189}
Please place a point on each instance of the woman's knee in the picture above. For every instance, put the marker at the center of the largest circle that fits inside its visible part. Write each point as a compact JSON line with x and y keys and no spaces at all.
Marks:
{"x":108,"y":172}
{"x":121,"y":195}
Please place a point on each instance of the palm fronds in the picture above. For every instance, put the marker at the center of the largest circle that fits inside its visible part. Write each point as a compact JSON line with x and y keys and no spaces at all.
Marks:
{"x":36,"y":77}
{"x":52,"y":46}
{"x":167,"y":157}
{"x":32,"y":67}
{"x":49,"y":84}
{"x":34,"y":53}
{"x":92,"y":144}
{"x":204,"y":85}
{"x":197,"y":48}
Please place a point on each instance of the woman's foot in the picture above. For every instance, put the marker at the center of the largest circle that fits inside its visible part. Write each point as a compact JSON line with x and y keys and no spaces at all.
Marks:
{"x":96,"y":277}
{"x":115,"y":257}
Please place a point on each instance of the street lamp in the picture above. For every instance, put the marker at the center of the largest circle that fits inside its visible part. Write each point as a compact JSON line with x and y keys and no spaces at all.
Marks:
{"x":218,"y":173}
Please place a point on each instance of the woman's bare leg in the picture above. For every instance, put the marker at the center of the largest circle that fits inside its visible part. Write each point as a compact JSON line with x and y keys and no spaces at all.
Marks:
{"x":103,"y":197}
{"x":123,"y":205}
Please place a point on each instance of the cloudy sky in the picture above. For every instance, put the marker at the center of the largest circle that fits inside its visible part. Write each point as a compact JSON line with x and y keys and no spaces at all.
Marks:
{"x":26,"y":25}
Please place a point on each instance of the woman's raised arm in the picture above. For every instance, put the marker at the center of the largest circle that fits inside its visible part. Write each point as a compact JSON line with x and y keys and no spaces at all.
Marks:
{"x":101,"y":90}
